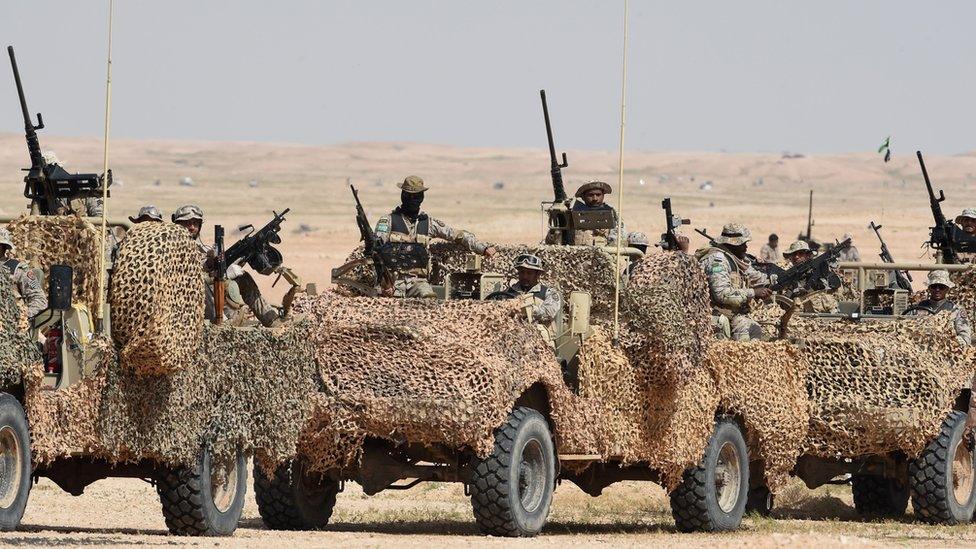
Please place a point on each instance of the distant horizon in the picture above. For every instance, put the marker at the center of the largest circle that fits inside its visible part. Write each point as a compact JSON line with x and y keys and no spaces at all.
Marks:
{"x":832,"y":77}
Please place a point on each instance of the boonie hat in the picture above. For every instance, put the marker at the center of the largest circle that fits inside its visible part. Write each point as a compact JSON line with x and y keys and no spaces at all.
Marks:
{"x":734,"y":234}
{"x":967,"y":213}
{"x":587,"y":187}
{"x":149,"y":212}
{"x":940,"y":278}
{"x":798,"y":246}
{"x":412,"y":184}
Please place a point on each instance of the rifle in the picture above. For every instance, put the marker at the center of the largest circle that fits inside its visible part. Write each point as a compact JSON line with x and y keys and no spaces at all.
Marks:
{"x":45,"y":184}
{"x":371,"y":247}
{"x":220,"y":275}
{"x":256,"y":248}
{"x":669,"y":240}
{"x":810,"y":219}
{"x":903,"y":279}
{"x":942,"y":235}
{"x":556,"y":167}
{"x":817,"y":266}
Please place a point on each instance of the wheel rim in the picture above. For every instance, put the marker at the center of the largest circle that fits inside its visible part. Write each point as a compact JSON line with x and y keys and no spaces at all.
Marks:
{"x":223,"y":486}
{"x":962,"y":472}
{"x":10,"y":466}
{"x":532,"y":476}
{"x":727,"y":477}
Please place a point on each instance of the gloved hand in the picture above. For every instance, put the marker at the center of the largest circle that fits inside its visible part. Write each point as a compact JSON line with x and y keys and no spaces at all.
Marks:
{"x":234,"y":270}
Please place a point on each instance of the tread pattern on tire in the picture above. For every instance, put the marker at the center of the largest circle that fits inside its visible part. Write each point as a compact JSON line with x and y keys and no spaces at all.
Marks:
{"x":688,"y":502}
{"x":181,"y":492}
{"x":873,"y":495}
{"x":489,"y":482}
{"x":275,"y":497}
{"x":927,"y":476}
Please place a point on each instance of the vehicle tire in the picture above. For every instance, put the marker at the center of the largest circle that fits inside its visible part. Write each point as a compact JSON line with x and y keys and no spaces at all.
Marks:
{"x":196,"y":502}
{"x":943,"y":478}
{"x":511,"y":489}
{"x":712,"y":496}
{"x":15,"y":462}
{"x":293,"y":500}
{"x":760,"y":500}
{"x":881,"y":496}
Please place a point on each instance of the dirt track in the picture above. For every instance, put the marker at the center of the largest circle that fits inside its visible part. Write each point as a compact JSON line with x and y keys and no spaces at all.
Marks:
{"x":126,"y":512}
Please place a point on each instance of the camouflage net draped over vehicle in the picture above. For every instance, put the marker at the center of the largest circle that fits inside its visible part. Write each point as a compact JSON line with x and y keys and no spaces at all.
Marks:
{"x":17,"y":351}
{"x":248,"y":388}
{"x":157,"y":297}
{"x":61,"y":240}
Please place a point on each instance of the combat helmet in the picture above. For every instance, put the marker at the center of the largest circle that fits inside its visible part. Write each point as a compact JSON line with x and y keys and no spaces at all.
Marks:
{"x":187,"y":213}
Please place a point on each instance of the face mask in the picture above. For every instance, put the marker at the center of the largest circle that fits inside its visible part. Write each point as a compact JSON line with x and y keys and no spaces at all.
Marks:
{"x":410,"y":204}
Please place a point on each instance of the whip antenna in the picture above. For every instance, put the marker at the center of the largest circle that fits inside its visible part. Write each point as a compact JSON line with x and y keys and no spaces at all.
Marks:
{"x":100,"y":313}
{"x":620,"y":184}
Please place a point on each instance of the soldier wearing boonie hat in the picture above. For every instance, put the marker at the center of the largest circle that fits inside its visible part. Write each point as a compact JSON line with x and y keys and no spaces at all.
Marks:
{"x":733,"y":282}
{"x":147,"y":213}
{"x":939,"y":284}
{"x":542,"y":303}
{"x":817,"y":295}
{"x":408,"y":223}
{"x":26,"y":280}
{"x":798,"y":252}
{"x":590,"y":197}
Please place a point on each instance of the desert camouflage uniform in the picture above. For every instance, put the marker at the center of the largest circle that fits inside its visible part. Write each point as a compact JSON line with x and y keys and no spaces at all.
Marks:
{"x":960,"y":320}
{"x":28,"y":285}
{"x":730,"y":282}
{"x":396,"y":227}
{"x":769,"y":254}
{"x":811,"y":300}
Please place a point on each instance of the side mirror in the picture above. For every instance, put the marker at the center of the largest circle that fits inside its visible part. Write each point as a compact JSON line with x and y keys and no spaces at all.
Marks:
{"x":59,"y":287}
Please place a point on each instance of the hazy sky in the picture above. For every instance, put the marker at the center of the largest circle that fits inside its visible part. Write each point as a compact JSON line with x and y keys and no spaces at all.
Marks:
{"x":823,"y":76}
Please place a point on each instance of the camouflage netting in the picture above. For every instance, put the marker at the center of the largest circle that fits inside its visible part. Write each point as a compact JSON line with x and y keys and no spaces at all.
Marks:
{"x":61,"y":240}
{"x":17,"y":351}
{"x":247,"y":389}
{"x":157,"y":306}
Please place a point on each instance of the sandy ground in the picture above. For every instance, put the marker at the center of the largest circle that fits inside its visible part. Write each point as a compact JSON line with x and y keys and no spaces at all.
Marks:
{"x":496,"y":193}
{"x":126,"y":512}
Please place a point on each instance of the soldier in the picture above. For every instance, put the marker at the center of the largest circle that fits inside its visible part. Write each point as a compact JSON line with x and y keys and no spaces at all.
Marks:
{"x":541,"y":302}
{"x":640,"y":242}
{"x":770,"y":251}
{"x":90,"y":206}
{"x":240,"y":288}
{"x":148,"y":213}
{"x":24,"y":278}
{"x":851,"y":253}
{"x":733,"y":282}
{"x":967,"y":221}
{"x":938,"y":301}
{"x":408,"y":223}
{"x":590,"y":197}
{"x":814,"y":299}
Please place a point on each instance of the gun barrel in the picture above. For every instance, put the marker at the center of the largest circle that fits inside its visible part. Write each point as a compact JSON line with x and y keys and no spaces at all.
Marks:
{"x":545,"y":114}
{"x":20,"y":89}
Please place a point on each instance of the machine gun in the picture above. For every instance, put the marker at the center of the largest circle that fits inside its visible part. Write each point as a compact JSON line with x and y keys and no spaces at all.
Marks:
{"x":371,"y":246}
{"x":945,"y":236}
{"x":256,"y":248}
{"x":559,"y":191}
{"x":669,"y":240}
{"x":816,"y":269}
{"x":903,"y":279}
{"x":46,"y":185}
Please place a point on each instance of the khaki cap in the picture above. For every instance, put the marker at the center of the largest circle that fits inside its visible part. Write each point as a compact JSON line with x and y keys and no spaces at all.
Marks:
{"x":5,"y":239}
{"x":412,"y":184}
{"x":967,"y":213}
{"x":798,"y":246}
{"x":529,"y":261}
{"x":187,"y":213}
{"x":734,"y":234}
{"x":149,"y":212}
{"x":940,"y":277}
{"x":587,"y":187}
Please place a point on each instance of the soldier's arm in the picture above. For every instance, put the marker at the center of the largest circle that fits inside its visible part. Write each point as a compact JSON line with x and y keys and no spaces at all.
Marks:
{"x":382,"y":230}
{"x":720,"y":284}
{"x":612,"y":237}
{"x":964,"y":330}
{"x":439,"y":229}
{"x":754,"y":277}
{"x":548,"y":310}
{"x":29,"y":286}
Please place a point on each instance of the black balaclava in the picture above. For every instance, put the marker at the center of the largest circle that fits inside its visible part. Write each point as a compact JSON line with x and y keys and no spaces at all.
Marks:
{"x":410,"y":204}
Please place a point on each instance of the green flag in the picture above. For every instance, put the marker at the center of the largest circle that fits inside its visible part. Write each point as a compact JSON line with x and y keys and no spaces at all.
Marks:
{"x":886,"y":148}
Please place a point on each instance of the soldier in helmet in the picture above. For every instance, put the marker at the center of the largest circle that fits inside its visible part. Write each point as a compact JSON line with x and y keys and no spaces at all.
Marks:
{"x":24,"y":278}
{"x":939,"y":285}
{"x":240,"y":288}
{"x":541,"y":302}
{"x":591,"y":197}
{"x":733,"y":282}
{"x":967,"y":222}
{"x":90,"y":206}
{"x":815,"y":295}
{"x":408,"y":223}
{"x":148,"y":213}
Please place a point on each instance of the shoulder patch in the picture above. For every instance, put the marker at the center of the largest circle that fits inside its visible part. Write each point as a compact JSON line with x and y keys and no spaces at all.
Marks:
{"x":383,"y":225}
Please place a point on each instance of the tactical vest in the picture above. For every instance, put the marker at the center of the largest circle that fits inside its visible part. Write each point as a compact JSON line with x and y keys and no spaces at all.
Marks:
{"x":400,"y":231}
{"x":929,"y":306}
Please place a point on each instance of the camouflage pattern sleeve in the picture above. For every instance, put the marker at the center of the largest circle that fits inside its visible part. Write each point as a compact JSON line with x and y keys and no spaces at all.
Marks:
{"x":719,"y":274}
{"x":382,"y":230}
{"x":753,"y":277}
{"x":94,"y":207}
{"x":612,"y":237}
{"x":548,"y":310}
{"x":28,"y":283}
{"x":964,"y":330}
{"x":438,"y":229}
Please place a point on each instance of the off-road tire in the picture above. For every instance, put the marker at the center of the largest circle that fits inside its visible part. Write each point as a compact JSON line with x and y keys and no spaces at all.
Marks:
{"x":522,"y":466}
{"x":187,"y":495}
{"x":879,"y":496}
{"x":932,"y":478}
{"x":15,"y":462}
{"x":695,"y":503}
{"x":287,"y":502}
{"x":760,"y":501}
